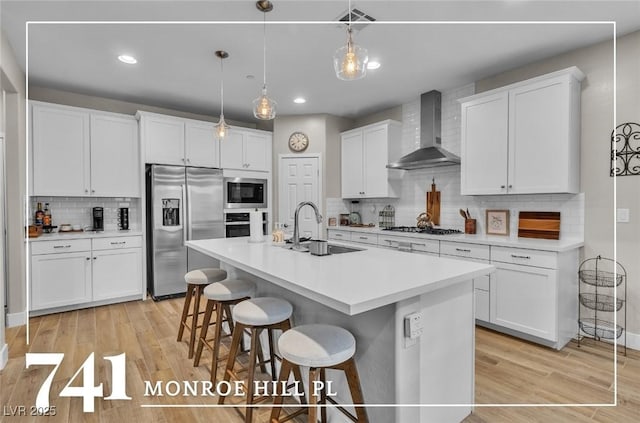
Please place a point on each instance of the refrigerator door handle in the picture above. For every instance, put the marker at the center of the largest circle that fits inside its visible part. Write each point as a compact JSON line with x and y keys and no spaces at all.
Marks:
{"x":184,"y":213}
{"x":189,"y":217}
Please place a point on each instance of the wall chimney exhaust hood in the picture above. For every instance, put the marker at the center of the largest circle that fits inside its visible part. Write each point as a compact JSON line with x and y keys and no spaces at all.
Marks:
{"x":430,"y":153}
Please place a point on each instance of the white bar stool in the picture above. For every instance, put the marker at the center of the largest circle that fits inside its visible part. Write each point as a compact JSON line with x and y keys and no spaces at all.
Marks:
{"x":256,"y":315}
{"x":196,"y":281}
{"x":319,"y":347}
{"x":220,"y":297}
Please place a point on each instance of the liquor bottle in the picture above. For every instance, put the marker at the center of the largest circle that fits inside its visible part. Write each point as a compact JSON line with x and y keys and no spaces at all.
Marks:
{"x":46,"y":220}
{"x":39,"y":215}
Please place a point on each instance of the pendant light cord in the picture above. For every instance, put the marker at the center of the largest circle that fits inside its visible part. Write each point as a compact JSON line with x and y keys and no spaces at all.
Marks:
{"x":264,"y":50}
{"x":221,"y":87}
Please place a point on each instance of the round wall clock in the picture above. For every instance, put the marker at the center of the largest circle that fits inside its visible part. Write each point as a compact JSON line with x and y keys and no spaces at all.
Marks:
{"x":298,"y":142}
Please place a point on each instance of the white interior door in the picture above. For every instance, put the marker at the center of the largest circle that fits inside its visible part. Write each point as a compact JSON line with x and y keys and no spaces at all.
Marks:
{"x":299,"y":180}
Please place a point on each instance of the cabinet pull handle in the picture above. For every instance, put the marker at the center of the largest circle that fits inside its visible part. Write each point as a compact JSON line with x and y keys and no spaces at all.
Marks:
{"x":464,"y":250}
{"x":364,"y":237}
{"x":502,"y":186}
{"x":522,"y":257}
{"x":188,"y":160}
{"x":86,"y":191}
{"x":93,"y":191}
{"x":95,"y":258}
{"x":421,"y":245}
{"x":510,"y":186}
{"x":88,"y":258}
{"x":118,"y":243}
{"x":62,"y":246}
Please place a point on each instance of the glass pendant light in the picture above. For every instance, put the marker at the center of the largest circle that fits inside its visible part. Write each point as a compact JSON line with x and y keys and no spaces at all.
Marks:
{"x":221,"y":128}
{"x":264,"y":108}
{"x":350,"y":61}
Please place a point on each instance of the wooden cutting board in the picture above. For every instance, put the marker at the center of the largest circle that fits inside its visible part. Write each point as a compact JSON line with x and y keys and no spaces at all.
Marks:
{"x":544,"y":225}
{"x":433,"y":204}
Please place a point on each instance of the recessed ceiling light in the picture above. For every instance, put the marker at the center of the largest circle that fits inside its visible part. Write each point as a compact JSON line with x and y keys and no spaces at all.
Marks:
{"x":129,"y":60}
{"x":371,"y":65}
{"x":299,"y":100}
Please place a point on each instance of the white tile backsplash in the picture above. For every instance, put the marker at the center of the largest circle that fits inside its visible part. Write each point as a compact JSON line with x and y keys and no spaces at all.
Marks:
{"x":416,"y":183}
{"x":78,"y":210}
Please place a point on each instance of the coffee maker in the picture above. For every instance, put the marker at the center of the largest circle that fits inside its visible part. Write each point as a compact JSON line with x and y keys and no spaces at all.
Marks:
{"x":98,"y":219}
{"x":123,"y":218}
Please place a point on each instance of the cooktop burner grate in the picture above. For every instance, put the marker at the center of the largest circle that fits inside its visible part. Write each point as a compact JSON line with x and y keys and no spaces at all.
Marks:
{"x":427,"y":230}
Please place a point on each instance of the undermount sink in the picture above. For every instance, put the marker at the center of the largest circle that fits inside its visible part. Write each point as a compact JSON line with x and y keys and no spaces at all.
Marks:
{"x":331,"y":248}
{"x":340,"y":249}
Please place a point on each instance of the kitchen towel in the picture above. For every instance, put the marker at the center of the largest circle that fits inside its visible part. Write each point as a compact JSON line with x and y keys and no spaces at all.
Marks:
{"x":255,"y":226}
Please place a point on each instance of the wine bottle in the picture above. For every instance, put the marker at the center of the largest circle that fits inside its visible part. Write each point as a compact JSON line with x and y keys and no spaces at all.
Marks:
{"x":46,"y":220}
{"x":39,"y":220}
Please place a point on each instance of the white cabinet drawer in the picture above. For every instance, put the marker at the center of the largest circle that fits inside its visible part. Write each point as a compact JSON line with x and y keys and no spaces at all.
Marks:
{"x":364,"y":238}
{"x":461,"y":249}
{"x":341,"y":235}
{"x":408,"y":243}
{"x":117,"y":242}
{"x":546,"y":259}
{"x":61,"y":246}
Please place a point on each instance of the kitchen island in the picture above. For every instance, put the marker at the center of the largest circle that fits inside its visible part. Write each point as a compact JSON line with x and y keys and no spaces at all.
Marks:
{"x":370,"y":292}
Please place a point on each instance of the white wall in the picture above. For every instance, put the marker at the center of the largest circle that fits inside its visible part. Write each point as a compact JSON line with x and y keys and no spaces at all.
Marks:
{"x":13,"y":82}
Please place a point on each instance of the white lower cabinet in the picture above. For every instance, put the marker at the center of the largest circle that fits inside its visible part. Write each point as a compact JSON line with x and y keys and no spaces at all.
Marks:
{"x":117,"y":273}
{"x":523,"y":298}
{"x":481,"y":285}
{"x":80,"y":272}
{"x":533,"y":294}
{"x":60,"y":279}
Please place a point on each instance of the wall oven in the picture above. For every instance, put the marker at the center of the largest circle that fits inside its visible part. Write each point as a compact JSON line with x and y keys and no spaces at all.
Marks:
{"x":237,"y":224}
{"x":242,"y":193}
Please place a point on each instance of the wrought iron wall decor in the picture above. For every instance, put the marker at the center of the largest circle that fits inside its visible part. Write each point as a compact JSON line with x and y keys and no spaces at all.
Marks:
{"x":625,"y":150}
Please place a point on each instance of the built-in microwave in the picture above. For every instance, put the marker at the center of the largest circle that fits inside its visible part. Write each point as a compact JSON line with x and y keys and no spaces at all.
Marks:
{"x":242,"y":193}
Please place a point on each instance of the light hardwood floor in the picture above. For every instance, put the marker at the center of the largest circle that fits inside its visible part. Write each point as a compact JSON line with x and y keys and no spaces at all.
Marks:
{"x":508,"y":371}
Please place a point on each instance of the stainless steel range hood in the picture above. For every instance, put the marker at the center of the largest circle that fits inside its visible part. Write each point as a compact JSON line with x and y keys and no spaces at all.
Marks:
{"x":430,"y":153}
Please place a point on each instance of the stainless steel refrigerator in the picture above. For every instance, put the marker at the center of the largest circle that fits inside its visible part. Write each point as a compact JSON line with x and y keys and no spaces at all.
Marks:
{"x":183,"y":203}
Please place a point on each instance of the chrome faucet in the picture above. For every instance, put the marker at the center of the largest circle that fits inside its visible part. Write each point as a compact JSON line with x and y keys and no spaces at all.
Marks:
{"x":296,"y":230}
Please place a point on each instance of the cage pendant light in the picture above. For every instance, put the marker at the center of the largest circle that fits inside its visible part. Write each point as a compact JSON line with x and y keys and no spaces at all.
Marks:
{"x":350,"y":61}
{"x":221,"y":128}
{"x":264,"y":108}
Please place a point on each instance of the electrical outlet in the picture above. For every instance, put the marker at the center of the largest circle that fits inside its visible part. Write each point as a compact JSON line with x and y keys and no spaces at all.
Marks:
{"x":413,"y":325}
{"x":622,"y":215}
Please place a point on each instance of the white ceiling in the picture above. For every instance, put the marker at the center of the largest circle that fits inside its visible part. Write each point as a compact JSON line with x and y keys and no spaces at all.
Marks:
{"x":177,"y":69}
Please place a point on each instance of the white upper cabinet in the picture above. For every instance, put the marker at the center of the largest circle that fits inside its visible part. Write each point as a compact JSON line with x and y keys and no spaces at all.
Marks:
{"x":366,"y":151}
{"x":115,"y":161}
{"x":163,"y":139}
{"x":81,"y":152}
{"x":523,"y":138}
{"x":201,"y":145}
{"x":175,"y":141}
{"x":246,"y":149}
{"x":60,"y":151}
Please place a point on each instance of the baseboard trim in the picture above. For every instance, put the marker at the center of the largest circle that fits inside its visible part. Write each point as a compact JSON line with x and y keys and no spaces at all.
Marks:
{"x":4,"y":356}
{"x":16,"y":319}
{"x":633,"y":341}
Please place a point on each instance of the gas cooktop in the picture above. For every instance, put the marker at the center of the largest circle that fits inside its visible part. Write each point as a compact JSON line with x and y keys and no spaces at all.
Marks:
{"x":427,"y":230}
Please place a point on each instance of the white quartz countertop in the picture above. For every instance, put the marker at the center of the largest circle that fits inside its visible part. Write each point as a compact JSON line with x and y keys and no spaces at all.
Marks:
{"x":351,"y":283}
{"x":560,"y":245}
{"x":57,"y":236}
